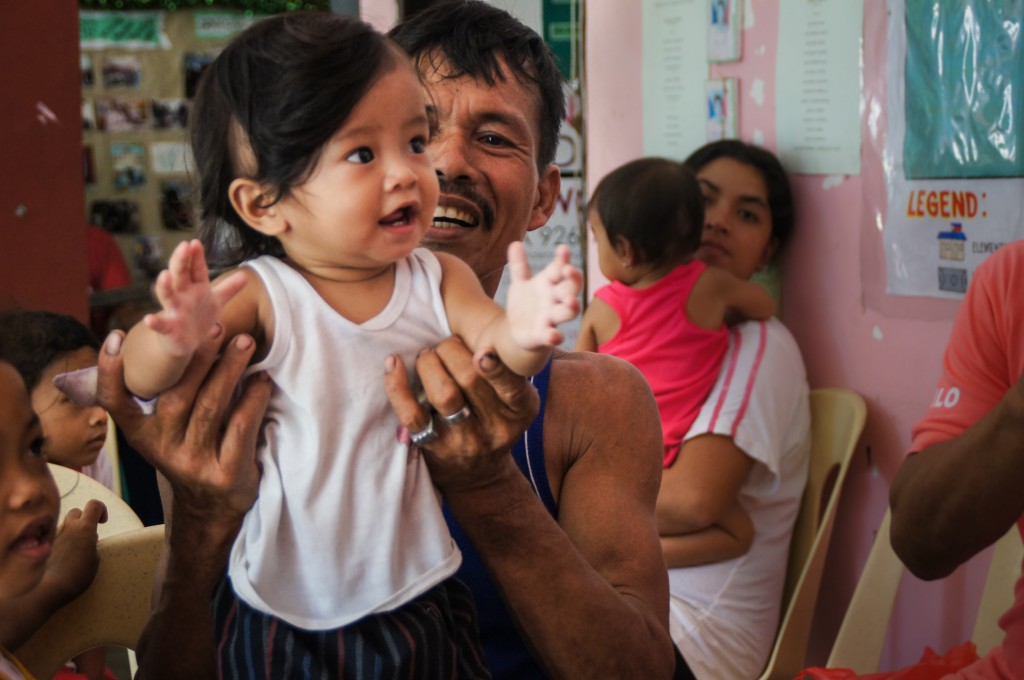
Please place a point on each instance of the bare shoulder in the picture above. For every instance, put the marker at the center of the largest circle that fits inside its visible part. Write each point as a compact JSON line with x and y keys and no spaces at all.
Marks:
{"x":600,"y":415}
{"x":720,"y":281}
{"x":574,"y":369}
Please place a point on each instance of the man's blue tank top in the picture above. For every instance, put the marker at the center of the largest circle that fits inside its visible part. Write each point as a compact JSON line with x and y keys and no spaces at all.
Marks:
{"x":506,"y":654}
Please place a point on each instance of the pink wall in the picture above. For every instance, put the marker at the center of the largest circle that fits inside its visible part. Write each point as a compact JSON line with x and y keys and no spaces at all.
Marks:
{"x":381,"y":14}
{"x":851,"y":333}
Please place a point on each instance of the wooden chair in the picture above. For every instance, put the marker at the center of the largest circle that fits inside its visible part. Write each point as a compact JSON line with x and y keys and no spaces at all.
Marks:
{"x":837,"y":420}
{"x":865,"y":626}
{"x":113,"y":611}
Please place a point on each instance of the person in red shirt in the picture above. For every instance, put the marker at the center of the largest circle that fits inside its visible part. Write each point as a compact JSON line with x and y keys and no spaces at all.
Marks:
{"x":107,"y":270}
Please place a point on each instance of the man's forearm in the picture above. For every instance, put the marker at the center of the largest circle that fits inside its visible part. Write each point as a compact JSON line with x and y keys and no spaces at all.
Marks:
{"x":178,"y":641}
{"x":576,"y":623}
{"x":955,"y":498}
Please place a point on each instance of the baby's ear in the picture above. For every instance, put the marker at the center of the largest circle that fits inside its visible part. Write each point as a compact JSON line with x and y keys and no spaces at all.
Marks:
{"x":625,"y":250}
{"x":249,"y":199}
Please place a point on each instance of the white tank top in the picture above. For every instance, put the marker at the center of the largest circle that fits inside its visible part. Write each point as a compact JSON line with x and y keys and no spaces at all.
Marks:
{"x":347,"y":521}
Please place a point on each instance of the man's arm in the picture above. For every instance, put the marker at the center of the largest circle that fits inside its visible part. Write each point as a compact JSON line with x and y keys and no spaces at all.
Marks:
{"x":956,"y":497}
{"x":206,"y":449}
{"x":590,"y":591}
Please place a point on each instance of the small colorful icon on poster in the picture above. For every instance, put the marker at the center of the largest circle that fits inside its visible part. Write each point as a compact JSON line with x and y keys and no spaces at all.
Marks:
{"x":951,"y":243}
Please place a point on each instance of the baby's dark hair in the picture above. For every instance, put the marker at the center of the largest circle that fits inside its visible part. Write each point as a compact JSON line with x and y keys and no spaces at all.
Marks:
{"x":280,"y":90}
{"x":31,"y":340}
{"x":656,"y":205}
{"x":455,"y":38}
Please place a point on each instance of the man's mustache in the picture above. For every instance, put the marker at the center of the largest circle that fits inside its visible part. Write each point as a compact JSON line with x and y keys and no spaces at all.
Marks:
{"x":466,"y":191}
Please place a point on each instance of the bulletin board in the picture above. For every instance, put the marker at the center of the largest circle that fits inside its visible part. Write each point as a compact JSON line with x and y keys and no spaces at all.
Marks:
{"x":140,"y":69}
{"x":952,"y":176}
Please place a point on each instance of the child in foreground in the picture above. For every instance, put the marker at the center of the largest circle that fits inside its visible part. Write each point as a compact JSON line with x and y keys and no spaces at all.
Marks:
{"x":309,"y":137}
{"x":664,"y":311}
{"x":42,"y":345}
{"x":41,"y":568}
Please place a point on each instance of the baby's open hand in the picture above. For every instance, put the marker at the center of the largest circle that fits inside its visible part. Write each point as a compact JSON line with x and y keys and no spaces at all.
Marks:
{"x":191,"y":305}
{"x":536,"y":305}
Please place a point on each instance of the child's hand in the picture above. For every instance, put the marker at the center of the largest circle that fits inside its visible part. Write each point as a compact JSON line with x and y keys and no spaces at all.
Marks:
{"x":191,"y":306}
{"x":73,"y":561}
{"x":537,"y":305}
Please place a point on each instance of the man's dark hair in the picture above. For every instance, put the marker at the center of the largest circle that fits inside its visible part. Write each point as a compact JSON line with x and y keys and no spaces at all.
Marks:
{"x":780,"y":195}
{"x":656,"y":205}
{"x":283,"y":87}
{"x":455,"y":38}
{"x":31,"y":340}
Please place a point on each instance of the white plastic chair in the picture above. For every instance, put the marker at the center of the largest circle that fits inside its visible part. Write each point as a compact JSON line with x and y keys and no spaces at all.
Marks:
{"x":837,"y":420}
{"x":865,"y":626}
{"x":77,"y":489}
{"x":113,"y":611}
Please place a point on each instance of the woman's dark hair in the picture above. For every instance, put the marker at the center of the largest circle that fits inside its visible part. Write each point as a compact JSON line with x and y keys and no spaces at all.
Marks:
{"x":656,"y":205}
{"x":282,"y":88}
{"x":31,"y":340}
{"x":455,"y":38}
{"x":780,"y":195}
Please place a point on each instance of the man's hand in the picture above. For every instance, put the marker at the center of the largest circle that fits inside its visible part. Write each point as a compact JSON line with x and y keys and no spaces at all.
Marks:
{"x":197,"y":439}
{"x":205,"y":447}
{"x":502,"y":405}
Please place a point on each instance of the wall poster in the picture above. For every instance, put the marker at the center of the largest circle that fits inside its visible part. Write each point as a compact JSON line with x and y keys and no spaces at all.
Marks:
{"x":953,"y":177}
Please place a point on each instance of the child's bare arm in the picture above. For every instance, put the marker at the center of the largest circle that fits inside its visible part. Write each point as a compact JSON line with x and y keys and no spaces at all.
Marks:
{"x":524,"y":335}
{"x":747,"y":300}
{"x":599,"y":325}
{"x":586,"y":341}
{"x":158,"y":348}
{"x":729,"y":538}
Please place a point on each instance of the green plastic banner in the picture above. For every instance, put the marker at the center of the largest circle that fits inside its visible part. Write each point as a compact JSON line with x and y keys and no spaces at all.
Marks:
{"x":133,"y":30}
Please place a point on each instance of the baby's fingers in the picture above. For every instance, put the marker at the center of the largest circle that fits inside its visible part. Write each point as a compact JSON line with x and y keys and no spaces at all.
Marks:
{"x":198,"y":271}
{"x":518,"y":266}
{"x":567,"y":290}
{"x":164,"y":290}
{"x":559,"y":268}
{"x":562,"y":254}
{"x":573,"y":275}
{"x":178,"y":266}
{"x":158,"y":323}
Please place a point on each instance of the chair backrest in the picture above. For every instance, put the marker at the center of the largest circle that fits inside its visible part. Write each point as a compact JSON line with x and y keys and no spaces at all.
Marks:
{"x":113,"y":611}
{"x":76,"y":489}
{"x":998,"y":593}
{"x":865,"y":626}
{"x":861,"y":636}
{"x":837,"y":420}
